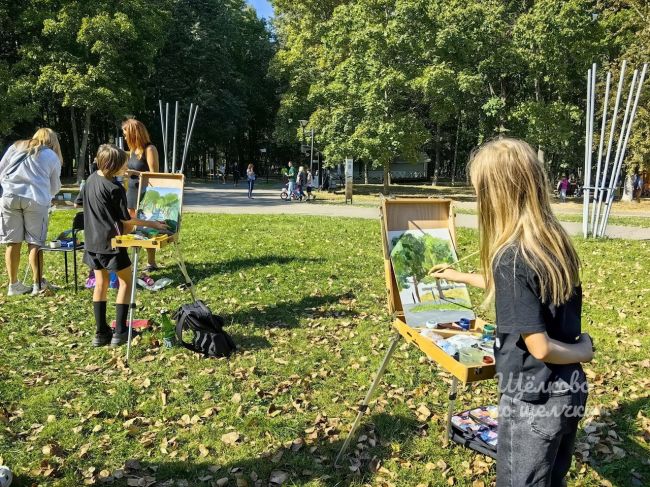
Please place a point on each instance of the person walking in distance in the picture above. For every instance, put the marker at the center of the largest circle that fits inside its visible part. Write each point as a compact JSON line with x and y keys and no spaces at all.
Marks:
{"x":250,"y":177}
{"x":291,"y":174}
{"x":301,"y":182}
{"x":563,"y":187}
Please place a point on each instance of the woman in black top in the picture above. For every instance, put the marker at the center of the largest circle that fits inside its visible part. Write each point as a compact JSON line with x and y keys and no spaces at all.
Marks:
{"x":144,"y":158}
{"x":532,"y":273}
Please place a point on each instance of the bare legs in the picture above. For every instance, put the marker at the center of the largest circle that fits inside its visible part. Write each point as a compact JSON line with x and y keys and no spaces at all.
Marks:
{"x":12,"y":261}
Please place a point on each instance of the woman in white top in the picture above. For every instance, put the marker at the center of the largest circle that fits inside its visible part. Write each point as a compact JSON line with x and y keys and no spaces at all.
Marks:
{"x":250,"y":176}
{"x":30,"y":174}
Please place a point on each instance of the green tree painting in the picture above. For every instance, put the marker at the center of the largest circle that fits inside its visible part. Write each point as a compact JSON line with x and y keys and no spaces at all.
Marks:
{"x":161,"y":204}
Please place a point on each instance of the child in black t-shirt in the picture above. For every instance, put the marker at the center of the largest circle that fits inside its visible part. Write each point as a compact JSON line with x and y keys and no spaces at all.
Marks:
{"x":106,"y":216}
{"x":532,"y":272}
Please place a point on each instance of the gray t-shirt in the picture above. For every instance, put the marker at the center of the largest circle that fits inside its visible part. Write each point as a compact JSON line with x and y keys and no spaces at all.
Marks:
{"x":37,"y":177}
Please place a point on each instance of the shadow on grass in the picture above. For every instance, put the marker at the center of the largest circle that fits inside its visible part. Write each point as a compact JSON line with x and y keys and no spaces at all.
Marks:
{"x":206,"y":270}
{"x":288,"y":314}
{"x":634,"y":468}
{"x":311,"y":462}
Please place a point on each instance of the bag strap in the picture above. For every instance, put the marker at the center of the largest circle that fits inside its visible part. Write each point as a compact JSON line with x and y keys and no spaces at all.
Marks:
{"x":14,"y":167}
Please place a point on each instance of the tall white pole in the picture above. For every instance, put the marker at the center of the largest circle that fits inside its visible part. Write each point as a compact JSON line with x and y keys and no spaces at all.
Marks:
{"x":175,"y":137}
{"x":628,"y":131}
{"x":189,"y":139}
{"x":610,"y":187}
{"x":164,"y":134}
{"x":166,"y":137}
{"x":585,"y":193}
{"x":600,"y":152}
{"x":187,"y":133}
{"x":610,"y":142}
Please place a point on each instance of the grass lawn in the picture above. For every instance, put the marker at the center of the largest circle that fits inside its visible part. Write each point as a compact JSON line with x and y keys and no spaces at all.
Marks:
{"x":306,"y":303}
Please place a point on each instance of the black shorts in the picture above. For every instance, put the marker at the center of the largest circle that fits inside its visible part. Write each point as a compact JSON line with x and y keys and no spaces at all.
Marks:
{"x":110,"y":262}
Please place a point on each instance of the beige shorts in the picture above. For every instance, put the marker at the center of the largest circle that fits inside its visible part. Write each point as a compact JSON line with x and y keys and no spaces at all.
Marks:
{"x":22,"y":220}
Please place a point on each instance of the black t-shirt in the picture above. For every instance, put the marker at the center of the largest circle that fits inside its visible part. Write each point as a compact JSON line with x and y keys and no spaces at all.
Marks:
{"x":521,"y":310}
{"x":104,"y":203}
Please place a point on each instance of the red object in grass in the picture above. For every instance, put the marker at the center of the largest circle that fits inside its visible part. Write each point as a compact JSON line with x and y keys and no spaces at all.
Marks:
{"x":137,"y":324}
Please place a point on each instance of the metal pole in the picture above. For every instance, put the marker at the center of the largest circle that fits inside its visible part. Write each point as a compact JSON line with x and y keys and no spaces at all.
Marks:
{"x":196,"y":110}
{"x":134,"y":285}
{"x":600,"y":152}
{"x":453,"y":391}
{"x":311,"y":157}
{"x":610,"y":143}
{"x":162,"y":129}
{"x":364,"y":405}
{"x":166,"y":137}
{"x":625,"y":142}
{"x":610,"y":188}
{"x":585,"y":192}
{"x":175,"y":137}
{"x":187,"y":133}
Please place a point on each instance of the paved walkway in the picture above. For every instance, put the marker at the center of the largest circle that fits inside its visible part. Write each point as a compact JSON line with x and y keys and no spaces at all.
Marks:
{"x":226,"y":199}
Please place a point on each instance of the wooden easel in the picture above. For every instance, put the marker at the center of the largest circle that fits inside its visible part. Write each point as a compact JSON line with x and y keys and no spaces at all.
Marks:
{"x":422,"y":214}
{"x":162,"y":180}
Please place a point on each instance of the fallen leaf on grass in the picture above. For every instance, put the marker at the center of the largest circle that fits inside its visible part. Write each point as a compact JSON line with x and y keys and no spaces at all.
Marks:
{"x":230,"y":438}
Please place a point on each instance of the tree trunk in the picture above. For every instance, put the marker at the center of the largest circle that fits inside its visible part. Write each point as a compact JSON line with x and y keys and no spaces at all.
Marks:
{"x":365,"y":172}
{"x":436,"y":167}
{"x":441,"y":294}
{"x":417,"y":291}
{"x":75,"y":135}
{"x":386,"y":176}
{"x":81,"y":155}
{"x":453,"y":164}
{"x":628,"y":187}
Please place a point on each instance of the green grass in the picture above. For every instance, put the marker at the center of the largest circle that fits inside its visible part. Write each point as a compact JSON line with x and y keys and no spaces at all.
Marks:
{"x":308,"y":310}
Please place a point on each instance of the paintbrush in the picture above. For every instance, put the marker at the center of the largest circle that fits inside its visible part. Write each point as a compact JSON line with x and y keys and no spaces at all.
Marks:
{"x":443,"y":267}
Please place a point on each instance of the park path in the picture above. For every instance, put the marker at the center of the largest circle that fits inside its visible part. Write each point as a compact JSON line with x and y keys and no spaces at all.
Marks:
{"x":217,"y":198}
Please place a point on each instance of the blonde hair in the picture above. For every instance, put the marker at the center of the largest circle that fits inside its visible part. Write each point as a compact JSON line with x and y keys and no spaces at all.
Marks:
{"x":514,"y":210}
{"x":110,"y":159}
{"x":136,"y":135}
{"x":43,"y":139}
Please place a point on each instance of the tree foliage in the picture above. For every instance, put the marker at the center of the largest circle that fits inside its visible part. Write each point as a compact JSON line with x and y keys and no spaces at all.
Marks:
{"x":382,"y":79}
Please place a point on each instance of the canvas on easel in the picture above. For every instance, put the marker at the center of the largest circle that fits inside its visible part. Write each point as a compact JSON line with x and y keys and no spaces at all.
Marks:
{"x":427,"y":301}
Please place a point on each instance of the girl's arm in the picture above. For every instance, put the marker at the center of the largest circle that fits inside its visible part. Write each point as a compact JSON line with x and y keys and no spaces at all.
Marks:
{"x":129,"y":225}
{"x":476,"y":280}
{"x":152,"y":159}
{"x":551,"y":351}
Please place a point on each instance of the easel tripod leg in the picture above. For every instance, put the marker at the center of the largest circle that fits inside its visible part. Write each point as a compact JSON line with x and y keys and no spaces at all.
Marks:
{"x":134,"y":285}
{"x":181,"y":265}
{"x":450,"y":409}
{"x":364,"y":405}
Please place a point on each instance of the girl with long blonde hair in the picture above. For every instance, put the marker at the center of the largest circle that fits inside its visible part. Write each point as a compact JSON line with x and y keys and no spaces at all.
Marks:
{"x":531,"y":271}
{"x":144,"y":158}
{"x":30,"y":174}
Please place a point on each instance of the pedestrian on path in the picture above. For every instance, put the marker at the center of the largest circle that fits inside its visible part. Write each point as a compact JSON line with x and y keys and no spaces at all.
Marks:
{"x":310,"y":183}
{"x":291,"y":174}
{"x":563,"y":187}
{"x":250,"y":176}
{"x":235,"y":176}
{"x":301,"y":182}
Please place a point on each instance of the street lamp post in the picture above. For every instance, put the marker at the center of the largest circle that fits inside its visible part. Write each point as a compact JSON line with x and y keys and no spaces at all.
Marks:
{"x":303,"y":125}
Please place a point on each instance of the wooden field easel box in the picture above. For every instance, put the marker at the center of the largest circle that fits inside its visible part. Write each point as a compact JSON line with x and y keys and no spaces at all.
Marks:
{"x":424,"y":214}
{"x":419,"y":214}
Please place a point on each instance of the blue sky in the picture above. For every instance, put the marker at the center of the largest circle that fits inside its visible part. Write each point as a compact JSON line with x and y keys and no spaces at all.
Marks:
{"x":263,"y":8}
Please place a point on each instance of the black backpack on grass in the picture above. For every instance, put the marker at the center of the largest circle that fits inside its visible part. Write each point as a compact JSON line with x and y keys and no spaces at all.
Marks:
{"x":209,"y":337}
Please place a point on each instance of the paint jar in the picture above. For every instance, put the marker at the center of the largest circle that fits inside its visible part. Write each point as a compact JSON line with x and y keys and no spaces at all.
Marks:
{"x":55,"y":244}
{"x":464,"y":323}
{"x":488,"y":332}
{"x":471,"y":356}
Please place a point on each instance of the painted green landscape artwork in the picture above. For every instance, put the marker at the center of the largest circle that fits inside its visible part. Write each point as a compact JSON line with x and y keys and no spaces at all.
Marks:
{"x":427,"y":300}
{"x":161,"y":204}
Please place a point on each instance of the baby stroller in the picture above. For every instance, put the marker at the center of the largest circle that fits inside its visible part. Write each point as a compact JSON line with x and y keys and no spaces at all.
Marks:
{"x":295,"y":194}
